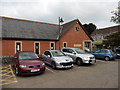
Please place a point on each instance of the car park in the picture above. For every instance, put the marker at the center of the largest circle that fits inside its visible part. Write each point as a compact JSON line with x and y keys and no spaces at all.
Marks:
{"x":79,"y":56}
{"x":27,"y":63}
{"x":106,"y":54}
{"x":57,"y":59}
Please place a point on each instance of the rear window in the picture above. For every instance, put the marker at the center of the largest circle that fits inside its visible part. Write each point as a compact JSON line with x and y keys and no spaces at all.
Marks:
{"x":29,"y":55}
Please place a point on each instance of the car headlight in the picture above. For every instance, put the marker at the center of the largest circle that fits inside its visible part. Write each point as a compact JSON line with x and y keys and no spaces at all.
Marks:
{"x":43,"y":64}
{"x":23,"y":66}
{"x":86,"y":58}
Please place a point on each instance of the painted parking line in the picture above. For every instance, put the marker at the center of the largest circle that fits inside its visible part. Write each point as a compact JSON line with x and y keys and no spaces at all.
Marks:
{"x":50,"y":70}
{"x":7,"y":75}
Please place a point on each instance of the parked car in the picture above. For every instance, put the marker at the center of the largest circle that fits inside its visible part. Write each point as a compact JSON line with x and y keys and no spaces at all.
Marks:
{"x":79,"y":56}
{"x":117,"y":53}
{"x":57,"y":59}
{"x":28,"y":63}
{"x":106,"y":54}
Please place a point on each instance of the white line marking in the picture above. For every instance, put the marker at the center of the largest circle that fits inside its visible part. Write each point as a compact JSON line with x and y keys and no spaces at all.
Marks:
{"x":50,"y":70}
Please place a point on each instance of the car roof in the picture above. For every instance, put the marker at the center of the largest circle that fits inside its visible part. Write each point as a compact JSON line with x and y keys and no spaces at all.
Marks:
{"x":104,"y":49}
{"x":69,"y":48}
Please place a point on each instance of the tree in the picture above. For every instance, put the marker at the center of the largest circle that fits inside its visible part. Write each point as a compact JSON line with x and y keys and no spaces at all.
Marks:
{"x":113,"y":39}
{"x":89,"y":27}
{"x":116,"y":15}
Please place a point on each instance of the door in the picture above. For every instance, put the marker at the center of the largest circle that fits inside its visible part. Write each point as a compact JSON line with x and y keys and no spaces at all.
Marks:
{"x":52,"y":46}
{"x":37,"y":48}
{"x":18,"y":46}
{"x":70,"y":53}
{"x":97,"y":54}
{"x":47,"y":57}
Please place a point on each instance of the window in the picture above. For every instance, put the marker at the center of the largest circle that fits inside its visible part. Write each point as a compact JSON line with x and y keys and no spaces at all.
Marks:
{"x":28,"y":55}
{"x":87,"y":45}
{"x":52,"y":46}
{"x":18,"y":46}
{"x":57,"y":53}
{"x":64,"y":44}
{"x":98,"y":51}
{"x":37,"y":47}
{"x":68,"y":50}
{"x":47,"y":53}
{"x":77,"y":29}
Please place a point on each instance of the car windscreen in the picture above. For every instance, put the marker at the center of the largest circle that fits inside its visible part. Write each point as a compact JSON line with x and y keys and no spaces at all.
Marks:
{"x":79,"y":51}
{"x":28,"y":55}
{"x":57,"y":53}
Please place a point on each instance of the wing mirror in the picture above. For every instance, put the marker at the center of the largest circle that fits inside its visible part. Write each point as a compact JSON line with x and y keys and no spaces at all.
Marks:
{"x":73,"y":53}
{"x":49,"y":56}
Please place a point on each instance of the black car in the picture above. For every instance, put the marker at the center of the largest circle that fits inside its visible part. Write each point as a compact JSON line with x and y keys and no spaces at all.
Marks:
{"x":118,"y":53}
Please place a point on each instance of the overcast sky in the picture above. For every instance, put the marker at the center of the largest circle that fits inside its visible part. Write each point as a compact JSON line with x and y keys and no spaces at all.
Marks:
{"x":87,"y":11}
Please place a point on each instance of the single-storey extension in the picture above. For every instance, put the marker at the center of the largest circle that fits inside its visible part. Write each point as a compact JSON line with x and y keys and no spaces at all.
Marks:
{"x":26,"y":35}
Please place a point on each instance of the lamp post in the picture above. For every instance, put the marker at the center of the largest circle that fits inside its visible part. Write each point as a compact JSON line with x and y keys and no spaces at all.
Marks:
{"x":60,"y":21}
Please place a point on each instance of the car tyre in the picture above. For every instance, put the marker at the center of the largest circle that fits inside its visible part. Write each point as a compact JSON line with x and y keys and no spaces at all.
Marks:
{"x":53,"y":65}
{"x":79,"y":62}
{"x":107,"y":59}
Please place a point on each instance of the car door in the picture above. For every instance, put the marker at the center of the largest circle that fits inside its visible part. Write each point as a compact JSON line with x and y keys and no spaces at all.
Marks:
{"x":97,"y":54}
{"x":102,"y":54}
{"x":70,"y":53}
{"x":47,"y":57}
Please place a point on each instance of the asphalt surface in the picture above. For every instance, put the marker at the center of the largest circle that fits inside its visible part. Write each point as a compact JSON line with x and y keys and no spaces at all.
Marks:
{"x":103,"y":74}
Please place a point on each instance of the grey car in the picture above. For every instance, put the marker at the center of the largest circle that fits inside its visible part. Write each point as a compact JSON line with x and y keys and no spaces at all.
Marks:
{"x":79,"y":56}
{"x":57,"y":59}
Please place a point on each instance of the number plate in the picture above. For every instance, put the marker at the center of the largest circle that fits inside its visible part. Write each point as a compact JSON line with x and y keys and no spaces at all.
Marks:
{"x":35,"y":70}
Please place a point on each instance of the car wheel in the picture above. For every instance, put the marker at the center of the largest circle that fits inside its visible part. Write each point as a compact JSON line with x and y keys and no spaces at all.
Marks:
{"x":79,"y":62}
{"x":107,"y":58}
{"x":53,"y":65}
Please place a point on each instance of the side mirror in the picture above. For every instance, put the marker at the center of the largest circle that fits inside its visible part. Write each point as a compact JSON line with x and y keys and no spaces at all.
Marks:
{"x":49,"y":56}
{"x":73,"y":53}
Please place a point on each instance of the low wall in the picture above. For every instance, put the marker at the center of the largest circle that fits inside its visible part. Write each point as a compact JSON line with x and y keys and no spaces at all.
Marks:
{"x":7,"y":60}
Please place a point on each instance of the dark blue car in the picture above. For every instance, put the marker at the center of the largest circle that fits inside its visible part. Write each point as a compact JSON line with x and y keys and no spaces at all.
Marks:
{"x":106,"y":54}
{"x":118,"y":53}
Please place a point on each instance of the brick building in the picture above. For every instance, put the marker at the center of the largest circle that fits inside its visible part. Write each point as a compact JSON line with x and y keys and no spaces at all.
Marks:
{"x":25,"y":35}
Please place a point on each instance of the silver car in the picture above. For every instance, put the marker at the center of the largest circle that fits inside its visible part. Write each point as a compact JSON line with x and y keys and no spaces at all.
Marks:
{"x":57,"y":59}
{"x":79,"y":56}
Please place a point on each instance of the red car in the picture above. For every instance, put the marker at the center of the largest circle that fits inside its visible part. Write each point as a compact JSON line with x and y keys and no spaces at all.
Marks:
{"x":28,"y":63}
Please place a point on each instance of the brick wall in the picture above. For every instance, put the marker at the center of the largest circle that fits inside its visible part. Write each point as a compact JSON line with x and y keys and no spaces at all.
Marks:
{"x":72,"y":37}
{"x":8,"y":46}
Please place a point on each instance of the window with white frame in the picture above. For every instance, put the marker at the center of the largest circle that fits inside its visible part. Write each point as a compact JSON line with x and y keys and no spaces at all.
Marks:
{"x":64,"y":44}
{"x":52,"y":45}
{"x":18,"y":46}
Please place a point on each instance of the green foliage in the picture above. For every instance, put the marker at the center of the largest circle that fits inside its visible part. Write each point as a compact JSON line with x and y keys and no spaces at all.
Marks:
{"x":116,"y":15}
{"x":89,"y":27}
{"x":113,"y":39}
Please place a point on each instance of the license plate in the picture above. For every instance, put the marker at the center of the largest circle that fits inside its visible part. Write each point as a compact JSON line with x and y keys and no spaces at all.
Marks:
{"x":93,"y":61}
{"x":67,"y":66}
{"x":35,"y":70}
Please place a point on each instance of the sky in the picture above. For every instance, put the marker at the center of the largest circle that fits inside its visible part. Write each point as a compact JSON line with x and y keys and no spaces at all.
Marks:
{"x":97,"y":12}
